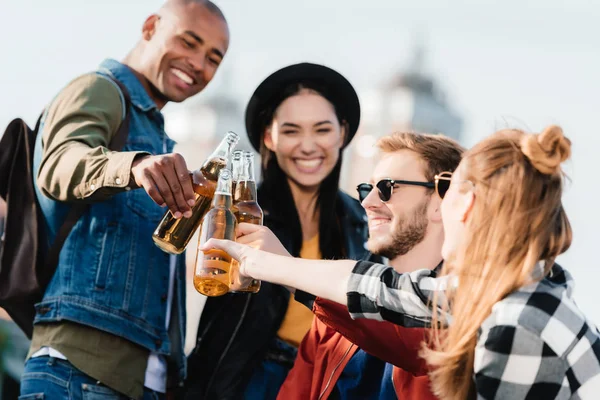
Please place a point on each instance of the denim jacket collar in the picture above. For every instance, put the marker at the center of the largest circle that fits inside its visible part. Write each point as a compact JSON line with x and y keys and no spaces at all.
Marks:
{"x":139,"y":96}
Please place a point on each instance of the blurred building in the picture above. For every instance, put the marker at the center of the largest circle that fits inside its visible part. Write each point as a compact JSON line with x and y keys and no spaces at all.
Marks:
{"x":408,"y":101}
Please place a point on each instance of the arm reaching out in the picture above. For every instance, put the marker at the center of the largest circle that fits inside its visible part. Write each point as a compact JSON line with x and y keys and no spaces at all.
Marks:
{"x":372,"y":291}
{"x":327,"y":279}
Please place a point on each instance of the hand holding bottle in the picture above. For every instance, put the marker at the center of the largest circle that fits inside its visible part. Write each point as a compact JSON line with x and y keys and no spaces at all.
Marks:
{"x":261,"y":238}
{"x":174,"y":232}
{"x":243,"y":253}
{"x":167,"y":181}
{"x":255,"y":244}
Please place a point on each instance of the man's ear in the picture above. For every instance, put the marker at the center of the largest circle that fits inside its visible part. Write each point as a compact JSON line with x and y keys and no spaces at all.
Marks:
{"x":149,"y":27}
{"x":435,"y":209}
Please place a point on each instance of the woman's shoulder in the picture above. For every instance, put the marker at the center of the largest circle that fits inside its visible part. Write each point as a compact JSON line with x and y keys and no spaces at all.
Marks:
{"x":546,"y":310}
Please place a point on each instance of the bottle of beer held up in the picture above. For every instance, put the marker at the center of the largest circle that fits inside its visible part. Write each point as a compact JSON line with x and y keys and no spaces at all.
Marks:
{"x":212,"y":267}
{"x":173,"y":235}
{"x":246,"y":209}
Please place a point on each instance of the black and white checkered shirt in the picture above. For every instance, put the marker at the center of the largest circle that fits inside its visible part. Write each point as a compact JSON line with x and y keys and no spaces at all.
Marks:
{"x":536,"y":343}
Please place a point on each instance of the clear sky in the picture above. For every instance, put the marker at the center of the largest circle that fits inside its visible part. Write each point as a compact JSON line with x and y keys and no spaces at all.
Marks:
{"x":520,"y":63}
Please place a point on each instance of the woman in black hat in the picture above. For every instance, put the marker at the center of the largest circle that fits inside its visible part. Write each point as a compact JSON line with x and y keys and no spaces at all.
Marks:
{"x":300,"y":119}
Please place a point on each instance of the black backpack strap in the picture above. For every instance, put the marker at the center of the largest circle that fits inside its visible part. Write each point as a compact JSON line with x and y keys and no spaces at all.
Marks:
{"x":78,"y":209}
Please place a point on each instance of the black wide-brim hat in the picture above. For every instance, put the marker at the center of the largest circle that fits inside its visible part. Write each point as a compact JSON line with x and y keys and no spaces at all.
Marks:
{"x":342,"y":95}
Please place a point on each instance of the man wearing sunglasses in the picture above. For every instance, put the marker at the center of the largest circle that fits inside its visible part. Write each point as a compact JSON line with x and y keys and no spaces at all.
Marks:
{"x":402,"y":203}
{"x":404,"y":214}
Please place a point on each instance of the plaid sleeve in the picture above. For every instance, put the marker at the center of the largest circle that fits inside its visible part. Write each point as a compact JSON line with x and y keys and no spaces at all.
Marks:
{"x":513,"y":363}
{"x":376,"y":291}
{"x":305,"y":298}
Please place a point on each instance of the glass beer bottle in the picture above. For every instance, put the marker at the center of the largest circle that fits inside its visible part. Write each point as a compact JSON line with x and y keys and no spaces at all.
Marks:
{"x":246,"y":209}
{"x":211,"y":270}
{"x":236,"y":170}
{"x":173,"y":235}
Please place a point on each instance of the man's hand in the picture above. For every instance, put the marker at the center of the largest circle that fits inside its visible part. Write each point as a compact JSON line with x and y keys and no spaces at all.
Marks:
{"x":167,"y":181}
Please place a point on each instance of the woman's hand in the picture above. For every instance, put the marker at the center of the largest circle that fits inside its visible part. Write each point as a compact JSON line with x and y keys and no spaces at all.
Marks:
{"x":246,"y":255}
{"x":261,"y":238}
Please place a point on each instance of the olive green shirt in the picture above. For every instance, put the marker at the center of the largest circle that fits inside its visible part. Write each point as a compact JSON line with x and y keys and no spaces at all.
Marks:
{"x":76,"y":162}
{"x":76,"y":165}
{"x":112,"y":360}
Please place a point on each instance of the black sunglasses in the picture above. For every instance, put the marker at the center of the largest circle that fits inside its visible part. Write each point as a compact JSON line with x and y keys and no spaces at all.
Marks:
{"x":385,"y":187}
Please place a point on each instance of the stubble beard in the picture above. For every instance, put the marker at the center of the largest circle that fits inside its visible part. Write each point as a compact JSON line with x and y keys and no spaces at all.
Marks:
{"x":404,"y":236}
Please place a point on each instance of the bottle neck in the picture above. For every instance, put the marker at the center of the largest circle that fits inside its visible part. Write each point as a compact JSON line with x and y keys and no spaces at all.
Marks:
{"x":211,"y":167}
{"x":221,"y":200}
{"x":220,"y":157}
{"x":225,"y":147}
{"x":245,"y":191}
{"x":248,"y":169}
{"x":236,"y":168}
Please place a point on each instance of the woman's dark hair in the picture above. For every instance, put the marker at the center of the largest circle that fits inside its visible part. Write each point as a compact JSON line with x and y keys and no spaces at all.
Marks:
{"x":331,"y":243}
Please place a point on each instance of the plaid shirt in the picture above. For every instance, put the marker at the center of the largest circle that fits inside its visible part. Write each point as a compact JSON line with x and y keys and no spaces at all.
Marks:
{"x":536,"y":343}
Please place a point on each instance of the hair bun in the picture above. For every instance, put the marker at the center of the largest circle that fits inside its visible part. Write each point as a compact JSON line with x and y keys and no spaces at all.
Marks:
{"x":547,"y":150}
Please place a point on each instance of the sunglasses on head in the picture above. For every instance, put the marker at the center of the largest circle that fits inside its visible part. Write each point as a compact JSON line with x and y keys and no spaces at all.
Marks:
{"x":385,"y":187}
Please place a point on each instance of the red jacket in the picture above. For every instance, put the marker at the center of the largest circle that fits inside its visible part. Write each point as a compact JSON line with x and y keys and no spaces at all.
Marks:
{"x":337,"y":337}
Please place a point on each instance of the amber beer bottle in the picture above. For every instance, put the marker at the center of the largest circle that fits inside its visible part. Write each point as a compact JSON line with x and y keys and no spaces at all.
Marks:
{"x":211,"y":271}
{"x":246,"y":209}
{"x":236,"y":170}
{"x":173,"y":235}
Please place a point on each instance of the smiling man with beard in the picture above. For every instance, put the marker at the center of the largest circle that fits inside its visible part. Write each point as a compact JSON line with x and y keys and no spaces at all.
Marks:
{"x":405,"y":227}
{"x":112,"y":318}
{"x":401,"y":206}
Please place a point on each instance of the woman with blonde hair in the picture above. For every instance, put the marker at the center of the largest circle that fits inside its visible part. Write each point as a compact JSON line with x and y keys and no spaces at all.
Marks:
{"x":504,"y":322}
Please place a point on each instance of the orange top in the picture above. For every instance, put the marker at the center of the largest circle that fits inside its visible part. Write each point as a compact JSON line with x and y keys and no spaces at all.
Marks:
{"x":298,"y":318}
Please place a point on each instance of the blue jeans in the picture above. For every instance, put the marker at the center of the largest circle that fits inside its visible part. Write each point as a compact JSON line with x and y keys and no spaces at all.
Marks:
{"x":271,"y":373}
{"x":54,"y":379}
